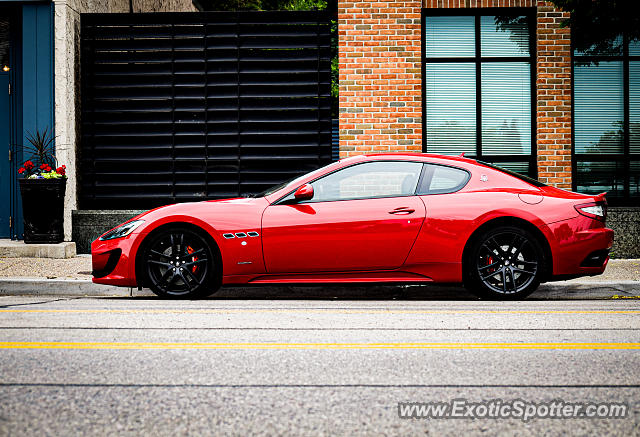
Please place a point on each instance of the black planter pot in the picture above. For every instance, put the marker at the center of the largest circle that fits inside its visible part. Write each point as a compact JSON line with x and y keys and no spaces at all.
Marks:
{"x":43,"y":209}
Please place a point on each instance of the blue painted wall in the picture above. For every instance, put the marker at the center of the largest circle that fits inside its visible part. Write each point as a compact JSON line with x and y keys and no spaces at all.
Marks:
{"x":34,"y":85}
{"x":37,"y":68}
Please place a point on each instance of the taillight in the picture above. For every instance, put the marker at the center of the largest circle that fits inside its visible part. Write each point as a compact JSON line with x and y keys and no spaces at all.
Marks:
{"x":594,"y":210}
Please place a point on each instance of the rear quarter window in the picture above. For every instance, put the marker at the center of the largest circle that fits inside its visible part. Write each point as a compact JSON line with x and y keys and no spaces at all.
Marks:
{"x":440,"y":179}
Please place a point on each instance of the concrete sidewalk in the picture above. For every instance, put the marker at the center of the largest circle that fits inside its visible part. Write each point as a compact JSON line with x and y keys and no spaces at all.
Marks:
{"x":72,"y":277}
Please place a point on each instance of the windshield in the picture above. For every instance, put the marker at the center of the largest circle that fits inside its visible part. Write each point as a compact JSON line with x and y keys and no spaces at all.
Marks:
{"x":532,"y":181}
{"x":275,"y":188}
{"x":292,"y":182}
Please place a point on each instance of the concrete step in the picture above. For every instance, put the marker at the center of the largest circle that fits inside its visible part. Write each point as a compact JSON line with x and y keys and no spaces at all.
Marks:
{"x":18,"y":249}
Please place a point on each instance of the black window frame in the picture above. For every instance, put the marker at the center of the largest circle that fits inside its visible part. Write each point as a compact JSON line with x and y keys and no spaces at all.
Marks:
{"x":626,"y":157}
{"x":478,"y":60}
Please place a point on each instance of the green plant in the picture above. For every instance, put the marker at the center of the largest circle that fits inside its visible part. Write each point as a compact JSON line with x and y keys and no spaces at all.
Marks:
{"x":41,"y":148}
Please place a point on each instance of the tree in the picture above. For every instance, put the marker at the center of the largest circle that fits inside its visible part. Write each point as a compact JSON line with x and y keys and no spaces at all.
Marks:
{"x":263,"y":5}
{"x":596,"y":25}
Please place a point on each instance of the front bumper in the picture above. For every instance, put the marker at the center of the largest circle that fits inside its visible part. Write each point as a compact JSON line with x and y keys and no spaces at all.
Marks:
{"x":113,"y":261}
{"x":581,"y":247}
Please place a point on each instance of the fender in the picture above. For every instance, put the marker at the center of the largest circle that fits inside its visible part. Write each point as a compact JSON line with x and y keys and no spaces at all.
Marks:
{"x":165,"y":220}
{"x":510,"y":212}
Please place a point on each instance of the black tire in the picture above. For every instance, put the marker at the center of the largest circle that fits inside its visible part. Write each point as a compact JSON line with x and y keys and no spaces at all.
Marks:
{"x":505,"y":263}
{"x":179,"y":263}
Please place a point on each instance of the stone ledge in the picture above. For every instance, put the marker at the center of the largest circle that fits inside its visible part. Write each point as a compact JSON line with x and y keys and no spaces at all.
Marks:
{"x":18,"y":249}
{"x":87,"y":225}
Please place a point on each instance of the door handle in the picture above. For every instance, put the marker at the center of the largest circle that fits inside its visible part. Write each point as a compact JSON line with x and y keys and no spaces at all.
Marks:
{"x":402,"y":210}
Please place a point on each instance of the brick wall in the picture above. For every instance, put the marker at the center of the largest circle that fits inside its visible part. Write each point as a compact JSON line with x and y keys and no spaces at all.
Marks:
{"x":380,"y":77}
{"x":553,"y":71}
{"x":381,"y":82}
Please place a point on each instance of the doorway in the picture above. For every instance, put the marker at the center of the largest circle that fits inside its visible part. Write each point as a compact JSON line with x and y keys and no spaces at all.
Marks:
{"x":6,"y":173}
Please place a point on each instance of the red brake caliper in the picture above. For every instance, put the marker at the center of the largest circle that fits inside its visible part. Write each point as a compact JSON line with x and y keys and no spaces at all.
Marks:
{"x":195,"y":258}
{"x":489,"y":262}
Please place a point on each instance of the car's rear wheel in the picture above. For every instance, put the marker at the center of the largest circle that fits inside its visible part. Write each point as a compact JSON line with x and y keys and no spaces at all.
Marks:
{"x":504,"y":263}
{"x":180,"y":263}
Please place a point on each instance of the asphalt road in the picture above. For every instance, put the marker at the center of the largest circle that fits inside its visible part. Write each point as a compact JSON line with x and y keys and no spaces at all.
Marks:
{"x":140,"y":366}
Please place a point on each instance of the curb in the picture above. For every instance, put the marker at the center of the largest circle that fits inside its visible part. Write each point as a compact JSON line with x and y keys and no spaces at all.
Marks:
{"x":573,"y":290}
{"x":57,"y":287}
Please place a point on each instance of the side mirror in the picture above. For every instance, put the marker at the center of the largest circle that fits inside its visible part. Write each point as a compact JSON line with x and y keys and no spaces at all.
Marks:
{"x":305,"y":192}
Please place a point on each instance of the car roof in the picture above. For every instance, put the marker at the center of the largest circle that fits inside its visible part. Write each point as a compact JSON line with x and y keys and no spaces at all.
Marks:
{"x":468,"y":164}
{"x":424,"y":157}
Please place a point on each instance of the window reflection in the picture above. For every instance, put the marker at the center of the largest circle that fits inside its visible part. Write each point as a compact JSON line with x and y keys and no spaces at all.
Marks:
{"x":599,"y":108}
{"x":450,"y":37}
{"x":506,"y":108}
{"x":598,"y":177}
{"x":602,"y":124}
{"x":508,"y":37}
{"x":369,"y":180}
{"x":634,"y":106}
{"x":451,"y":108}
{"x":634,"y":182}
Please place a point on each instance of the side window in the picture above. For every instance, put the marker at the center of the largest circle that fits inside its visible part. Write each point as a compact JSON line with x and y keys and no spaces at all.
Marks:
{"x":368,"y":180}
{"x":440,"y":179}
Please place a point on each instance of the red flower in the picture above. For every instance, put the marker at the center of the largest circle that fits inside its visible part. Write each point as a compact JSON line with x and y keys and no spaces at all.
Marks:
{"x":21,"y":170}
{"x":45,"y":167}
{"x":28,"y":165}
{"x":61,"y":170}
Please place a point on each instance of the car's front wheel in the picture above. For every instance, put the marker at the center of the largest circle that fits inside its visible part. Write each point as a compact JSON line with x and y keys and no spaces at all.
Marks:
{"x":179,"y":263}
{"x":505,"y":263}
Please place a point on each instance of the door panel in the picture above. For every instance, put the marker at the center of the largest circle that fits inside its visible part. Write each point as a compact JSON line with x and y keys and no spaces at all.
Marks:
{"x":5,"y":170}
{"x":365,"y":234}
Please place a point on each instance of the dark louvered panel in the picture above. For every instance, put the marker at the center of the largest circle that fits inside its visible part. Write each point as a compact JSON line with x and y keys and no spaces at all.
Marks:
{"x":335,"y":139}
{"x":192,"y":106}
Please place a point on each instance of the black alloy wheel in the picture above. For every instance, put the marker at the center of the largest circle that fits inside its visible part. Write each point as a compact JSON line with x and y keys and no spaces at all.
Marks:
{"x":505,"y":263}
{"x":179,"y":263}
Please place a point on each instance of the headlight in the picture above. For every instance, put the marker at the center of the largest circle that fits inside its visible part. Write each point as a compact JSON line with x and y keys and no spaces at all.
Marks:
{"x":122,"y":230}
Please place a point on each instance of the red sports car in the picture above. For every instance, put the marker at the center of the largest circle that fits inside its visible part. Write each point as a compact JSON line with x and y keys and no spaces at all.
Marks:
{"x":386,"y":218}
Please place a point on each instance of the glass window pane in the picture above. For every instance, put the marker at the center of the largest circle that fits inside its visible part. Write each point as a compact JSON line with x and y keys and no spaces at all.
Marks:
{"x":506,"y":108}
{"x":634,"y":182}
{"x":504,"y":39}
{"x":447,"y":179}
{"x":518,"y":167}
{"x":450,"y":37}
{"x":598,"y":108}
{"x":376,"y":179}
{"x":597,"y":177}
{"x":634,"y":48}
{"x":604,"y":50}
{"x":634,"y":106}
{"x":451,"y":108}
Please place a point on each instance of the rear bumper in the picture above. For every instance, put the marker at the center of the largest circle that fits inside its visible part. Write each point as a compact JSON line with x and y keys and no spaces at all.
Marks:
{"x":113,"y":262}
{"x":581,"y":247}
